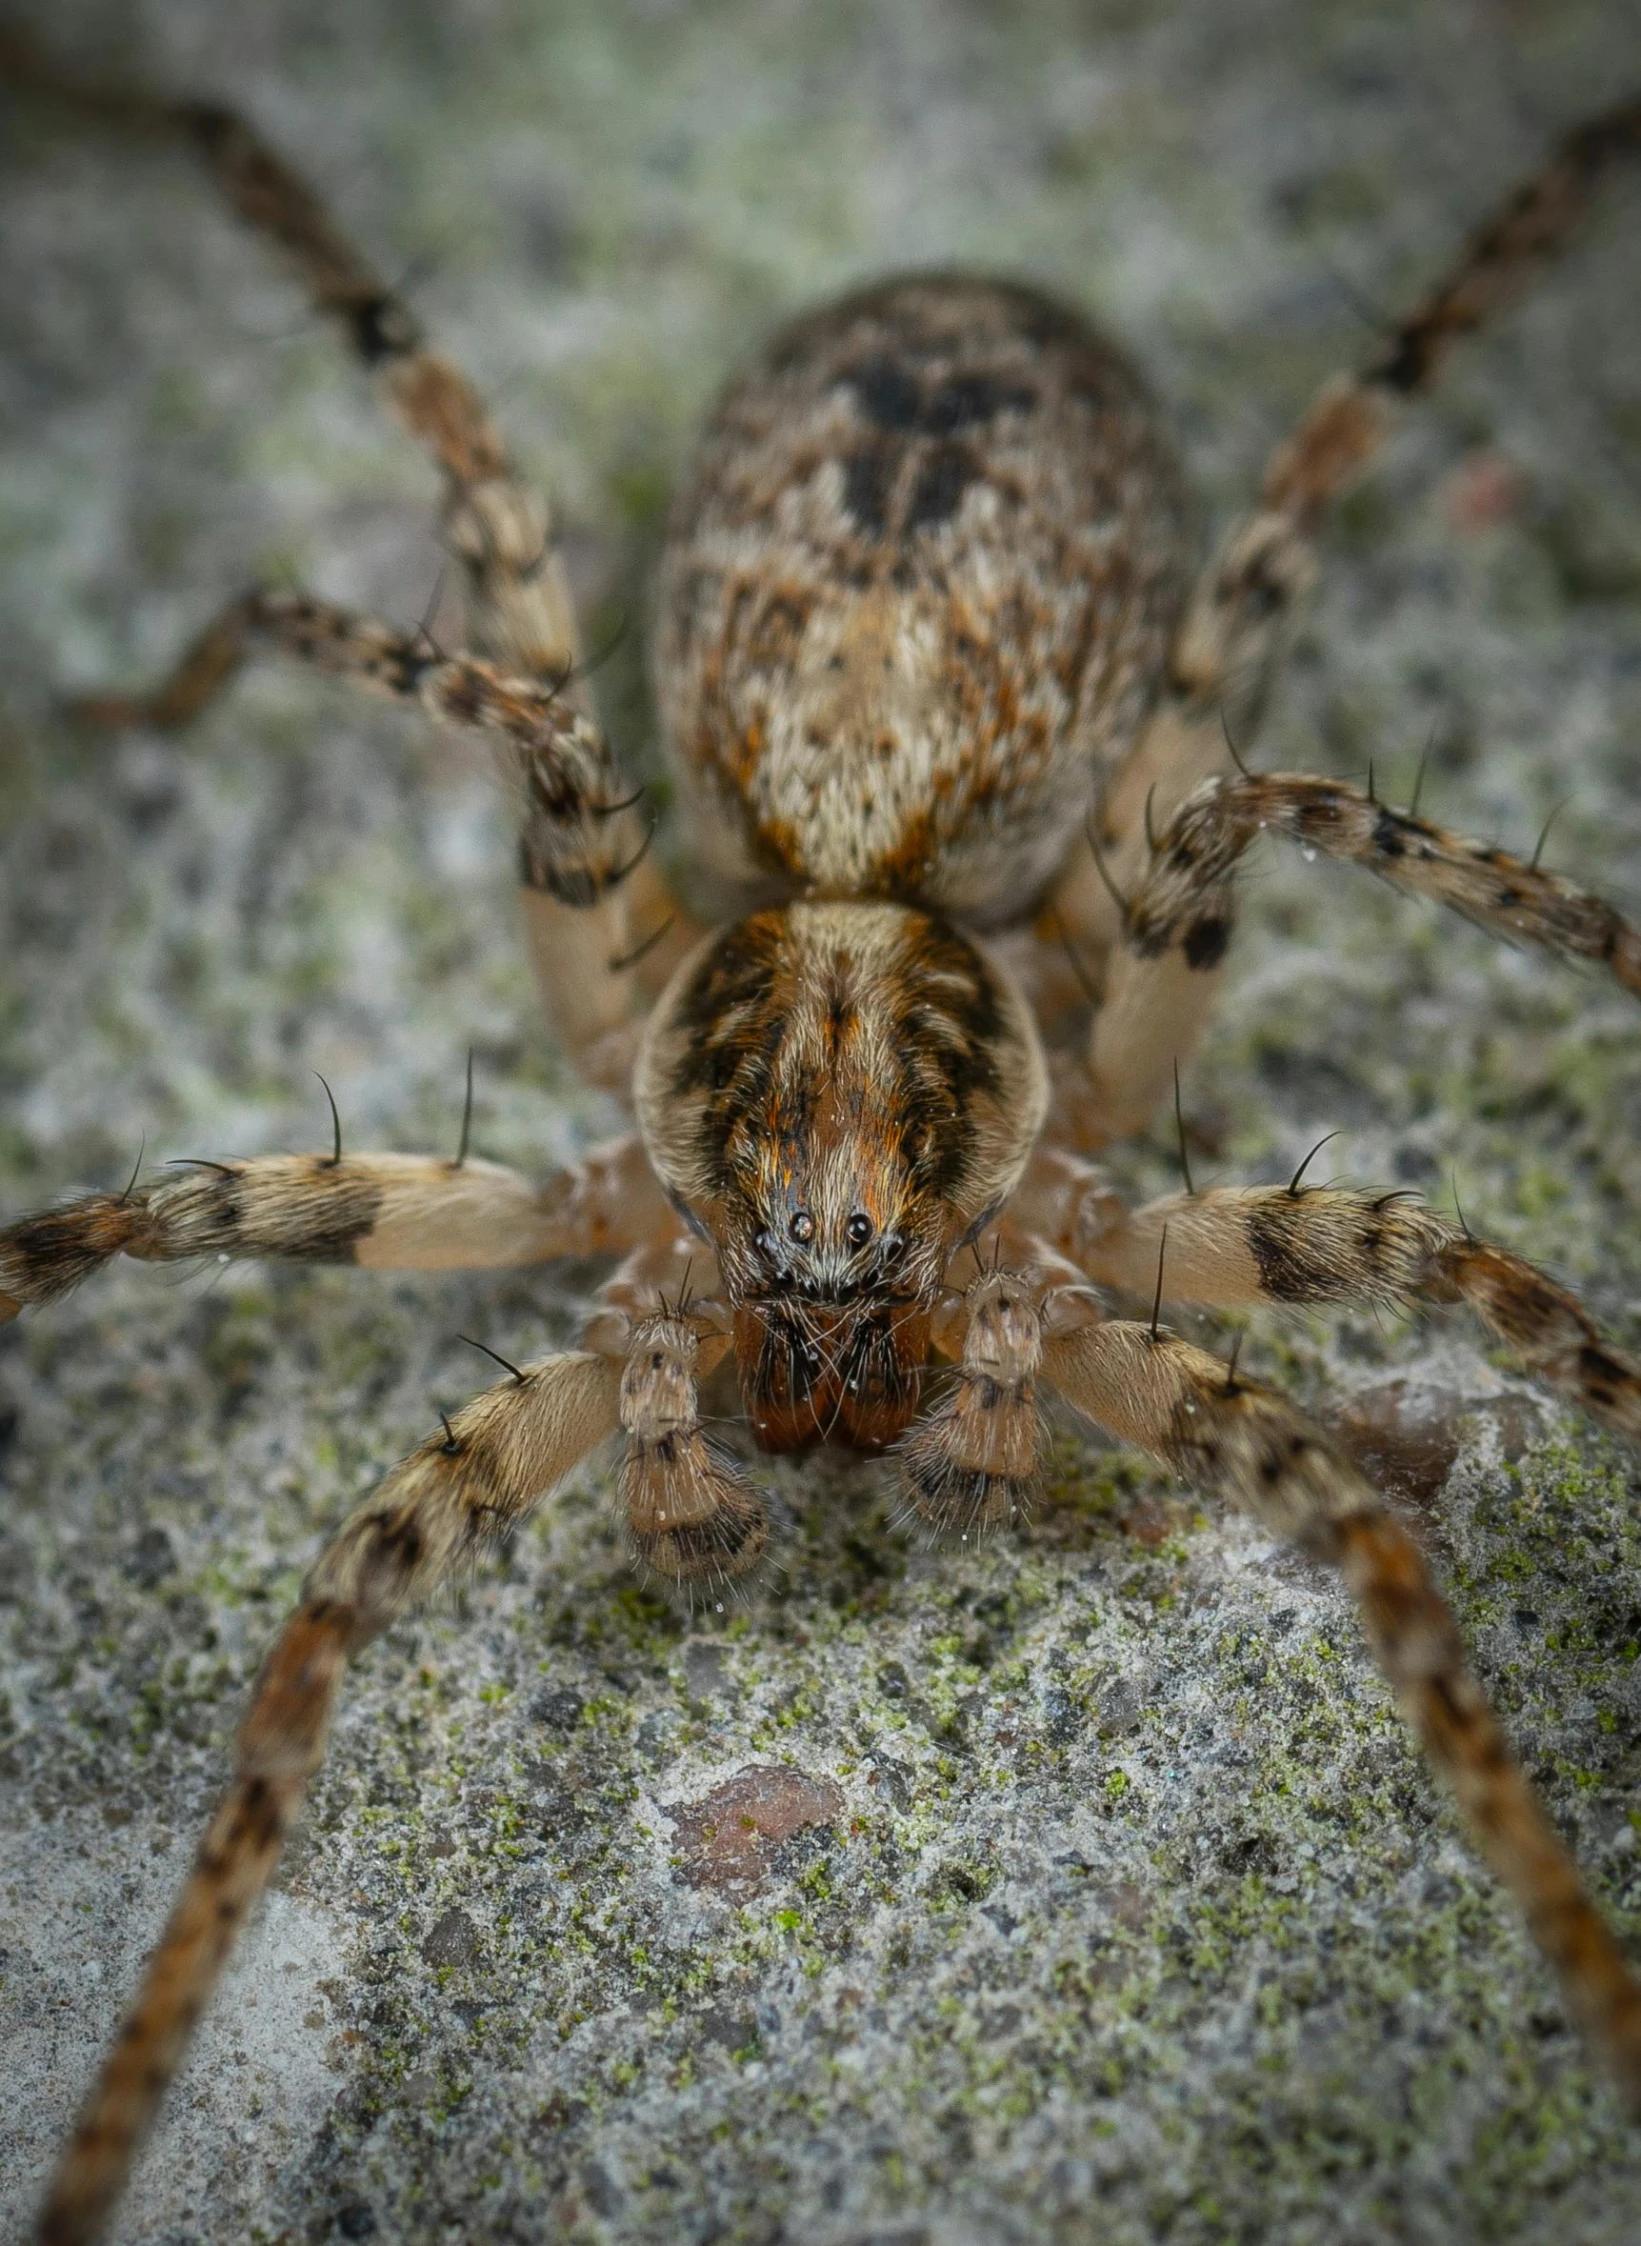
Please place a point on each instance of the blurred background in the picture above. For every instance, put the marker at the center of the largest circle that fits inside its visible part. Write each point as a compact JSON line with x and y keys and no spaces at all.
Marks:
{"x":1117,"y":1900}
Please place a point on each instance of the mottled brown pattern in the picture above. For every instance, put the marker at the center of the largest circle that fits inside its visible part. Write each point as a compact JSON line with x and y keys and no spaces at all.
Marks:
{"x":917,"y":596}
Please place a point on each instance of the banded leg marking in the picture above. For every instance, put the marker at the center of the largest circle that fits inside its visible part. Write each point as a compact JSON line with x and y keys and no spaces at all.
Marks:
{"x":1320,"y":1245}
{"x":1184,"y":905}
{"x":1179,"y":925}
{"x":579,"y":835}
{"x":500,"y":531}
{"x":1237,"y":621}
{"x":1531,"y":226}
{"x":399,"y":1212}
{"x":1230,"y":643}
{"x":496,"y":528}
{"x":1248,"y":1444}
{"x":451,"y":1498}
{"x":576,"y":826}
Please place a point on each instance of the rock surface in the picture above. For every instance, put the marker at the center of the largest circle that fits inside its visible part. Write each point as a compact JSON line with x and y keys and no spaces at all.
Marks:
{"x":1086,"y":1886}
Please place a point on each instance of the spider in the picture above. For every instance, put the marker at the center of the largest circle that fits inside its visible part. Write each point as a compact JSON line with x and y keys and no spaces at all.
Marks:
{"x":959,"y":732}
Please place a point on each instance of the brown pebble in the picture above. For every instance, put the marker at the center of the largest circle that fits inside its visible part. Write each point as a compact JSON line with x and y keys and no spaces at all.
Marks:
{"x":728,"y":1838}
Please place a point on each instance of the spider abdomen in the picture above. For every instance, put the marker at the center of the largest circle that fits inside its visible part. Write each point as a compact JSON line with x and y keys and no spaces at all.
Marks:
{"x":917,"y":596}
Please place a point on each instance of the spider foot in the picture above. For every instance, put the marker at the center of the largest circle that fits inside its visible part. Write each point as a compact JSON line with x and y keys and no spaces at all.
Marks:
{"x":696,"y":1520}
{"x":971,"y":1467}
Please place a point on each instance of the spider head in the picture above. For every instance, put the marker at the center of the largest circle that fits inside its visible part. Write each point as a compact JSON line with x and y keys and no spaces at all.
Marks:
{"x":837,"y":1096}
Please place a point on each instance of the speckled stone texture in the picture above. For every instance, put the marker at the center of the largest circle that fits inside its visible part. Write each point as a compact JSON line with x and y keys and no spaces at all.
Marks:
{"x":1086,"y":1887}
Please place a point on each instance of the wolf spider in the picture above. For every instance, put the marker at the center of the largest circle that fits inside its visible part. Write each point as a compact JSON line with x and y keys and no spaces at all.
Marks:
{"x":926,"y":613}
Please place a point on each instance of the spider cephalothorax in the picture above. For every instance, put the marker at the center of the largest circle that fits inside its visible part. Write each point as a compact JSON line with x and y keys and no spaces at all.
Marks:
{"x":837,"y":1095}
{"x":923,"y":618}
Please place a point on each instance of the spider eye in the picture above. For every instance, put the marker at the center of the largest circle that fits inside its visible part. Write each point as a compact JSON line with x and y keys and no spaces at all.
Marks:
{"x":858,"y":1230}
{"x":765,"y":1244}
{"x":802,"y":1227}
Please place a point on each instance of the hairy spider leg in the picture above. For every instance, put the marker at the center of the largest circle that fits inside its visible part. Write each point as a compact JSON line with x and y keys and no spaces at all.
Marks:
{"x":1229,"y":646}
{"x":496,"y":527}
{"x":1247,"y":1444}
{"x":1319,"y":1245}
{"x":692,"y":1516}
{"x":1160,"y":977}
{"x":460,"y":1491}
{"x":390,"y":1212}
{"x":696,"y":1522}
{"x":970,"y":1466}
{"x":521,"y":616}
{"x":580,"y":835}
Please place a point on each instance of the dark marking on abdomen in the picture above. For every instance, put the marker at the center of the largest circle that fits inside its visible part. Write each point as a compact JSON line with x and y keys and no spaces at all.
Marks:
{"x":868,"y":478}
{"x":941,"y":482}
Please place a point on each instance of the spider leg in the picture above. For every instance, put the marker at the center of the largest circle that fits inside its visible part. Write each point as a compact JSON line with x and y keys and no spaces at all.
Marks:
{"x":521,"y":615}
{"x":1229,"y":645}
{"x":1316,"y":1245}
{"x":970,"y":1466}
{"x":579,"y":834}
{"x":1236,"y":625}
{"x":495,"y":526}
{"x":1247,"y":1443}
{"x":697,"y":1523}
{"x":695,"y":1518}
{"x":1178,"y":924}
{"x":1179,"y":749}
{"x":454,"y":1496}
{"x":400,"y":1212}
